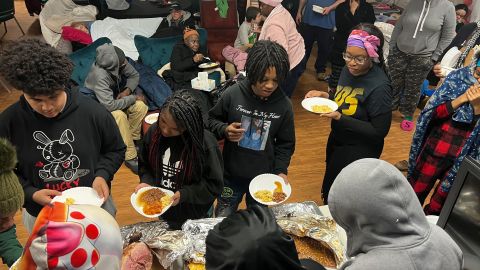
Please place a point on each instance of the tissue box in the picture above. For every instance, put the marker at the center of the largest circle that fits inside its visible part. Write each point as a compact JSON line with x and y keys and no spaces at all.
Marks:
{"x":206,"y":85}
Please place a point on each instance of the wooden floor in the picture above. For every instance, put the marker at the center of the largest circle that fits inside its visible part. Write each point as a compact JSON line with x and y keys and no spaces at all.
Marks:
{"x":308,"y":163}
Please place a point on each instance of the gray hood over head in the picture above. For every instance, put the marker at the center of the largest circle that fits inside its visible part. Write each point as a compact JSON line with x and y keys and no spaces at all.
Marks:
{"x":107,"y":59}
{"x":385,"y":224}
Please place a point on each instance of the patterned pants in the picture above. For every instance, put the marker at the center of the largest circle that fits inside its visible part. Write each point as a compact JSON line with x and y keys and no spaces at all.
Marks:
{"x":407,"y":73}
{"x":428,"y":169}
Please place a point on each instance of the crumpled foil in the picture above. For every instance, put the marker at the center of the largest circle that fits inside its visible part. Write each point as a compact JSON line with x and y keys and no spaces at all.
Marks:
{"x":166,"y":245}
{"x":196,"y":232}
{"x":142,"y":232}
{"x":296,"y":209}
{"x":320,"y":228}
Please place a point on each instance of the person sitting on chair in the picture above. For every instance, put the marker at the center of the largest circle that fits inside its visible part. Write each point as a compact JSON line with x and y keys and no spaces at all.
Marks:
{"x":175,"y":23}
{"x":114,"y":80}
{"x":185,"y":59}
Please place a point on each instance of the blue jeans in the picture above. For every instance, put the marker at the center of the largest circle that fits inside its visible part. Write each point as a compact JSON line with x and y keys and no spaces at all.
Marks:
{"x":324,"y":39}
{"x":231,"y":197}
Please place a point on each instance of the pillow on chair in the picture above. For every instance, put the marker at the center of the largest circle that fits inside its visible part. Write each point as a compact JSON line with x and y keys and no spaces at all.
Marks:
{"x":83,"y":60}
{"x":155,"y":52}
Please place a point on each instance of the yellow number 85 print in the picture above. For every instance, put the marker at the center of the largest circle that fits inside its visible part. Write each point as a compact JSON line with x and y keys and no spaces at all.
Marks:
{"x":348,"y":96}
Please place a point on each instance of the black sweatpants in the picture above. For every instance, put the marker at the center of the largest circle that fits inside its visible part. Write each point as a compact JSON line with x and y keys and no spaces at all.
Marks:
{"x":340,"y":156}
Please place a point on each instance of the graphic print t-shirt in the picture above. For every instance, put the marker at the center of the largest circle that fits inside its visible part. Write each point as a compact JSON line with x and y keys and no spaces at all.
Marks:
{"x":363,"y":97}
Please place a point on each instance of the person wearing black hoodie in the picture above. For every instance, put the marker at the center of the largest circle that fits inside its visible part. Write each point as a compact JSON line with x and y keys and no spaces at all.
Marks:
{"x":257,"y":122}
{"x":63,"y":139}
{"x":178,"y":154}
{"x":252,"y":240}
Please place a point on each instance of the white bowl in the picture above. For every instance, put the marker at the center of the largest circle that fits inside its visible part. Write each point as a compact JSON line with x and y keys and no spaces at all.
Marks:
{"x":151,"y":118}
{"x":139,"y":209}
{"x":267,"y":182}
{"x":309,"y":102}
{"x":80,"y":195}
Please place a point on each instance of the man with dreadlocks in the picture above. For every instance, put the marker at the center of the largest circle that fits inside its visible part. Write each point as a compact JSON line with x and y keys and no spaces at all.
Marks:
{"x":250,"y":108}
{"x":178,"y":154}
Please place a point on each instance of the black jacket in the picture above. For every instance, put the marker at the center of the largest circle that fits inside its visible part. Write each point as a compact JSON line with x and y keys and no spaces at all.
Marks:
{"x":67,"y":151}
{"x":276,"y":143}
{"x":183,"y":68}
{"x":345,"y":22}
{"x":168,"y":28}
{"x":195,"y":198}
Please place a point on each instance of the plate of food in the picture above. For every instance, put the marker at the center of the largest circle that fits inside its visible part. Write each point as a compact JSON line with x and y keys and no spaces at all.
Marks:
{"x":319,"y":105}
{"x":79,"y":195}
{"x":151,"y":202}
{"x":208,"y":65}
{"x":151,"y":118}
{"x":269,"y":189}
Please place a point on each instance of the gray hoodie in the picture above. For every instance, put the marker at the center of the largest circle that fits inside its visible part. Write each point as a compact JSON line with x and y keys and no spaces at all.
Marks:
{"x":385,"y":224}
{"x":104,"y":79}
{"x":425,"y":28}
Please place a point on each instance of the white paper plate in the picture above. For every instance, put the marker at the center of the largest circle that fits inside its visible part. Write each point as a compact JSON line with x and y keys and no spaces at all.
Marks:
{"x":151,"y":118}
{"x":267,"y":182}
{"x":208,"y":65}
{"x":80,"y":195}
{"x":133,"y":201}
{"x":309,"y":102}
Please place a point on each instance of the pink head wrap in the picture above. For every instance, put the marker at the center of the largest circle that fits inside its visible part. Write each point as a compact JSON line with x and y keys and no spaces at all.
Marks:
{"x":272,"y":3}
{"x":362,"y":39}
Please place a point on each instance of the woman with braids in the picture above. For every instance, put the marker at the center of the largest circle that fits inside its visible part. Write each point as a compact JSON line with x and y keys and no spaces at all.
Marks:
{"x":257,"y":122}
{"x":178,"y":154}
{"x":363,"y":95}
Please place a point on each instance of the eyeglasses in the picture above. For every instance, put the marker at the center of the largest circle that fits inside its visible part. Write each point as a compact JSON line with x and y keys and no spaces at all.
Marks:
{"x":360,"y":60}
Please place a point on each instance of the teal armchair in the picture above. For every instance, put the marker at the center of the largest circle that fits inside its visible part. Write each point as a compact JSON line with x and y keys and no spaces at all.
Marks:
{"x":155,"y":52}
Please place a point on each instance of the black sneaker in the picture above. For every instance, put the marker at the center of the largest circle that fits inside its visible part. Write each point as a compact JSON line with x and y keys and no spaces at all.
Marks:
{"x":132,"y":164}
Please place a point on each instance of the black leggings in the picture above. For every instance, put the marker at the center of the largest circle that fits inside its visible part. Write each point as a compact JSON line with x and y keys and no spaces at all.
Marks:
{"x":341,"y":155}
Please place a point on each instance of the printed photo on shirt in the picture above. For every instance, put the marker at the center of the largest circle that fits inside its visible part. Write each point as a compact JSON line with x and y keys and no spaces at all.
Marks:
{"x":256,"y":133}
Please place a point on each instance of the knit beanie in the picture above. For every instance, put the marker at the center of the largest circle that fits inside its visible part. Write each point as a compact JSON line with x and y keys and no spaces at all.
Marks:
{"x":11,"y":192}
{"x":189,"y":32}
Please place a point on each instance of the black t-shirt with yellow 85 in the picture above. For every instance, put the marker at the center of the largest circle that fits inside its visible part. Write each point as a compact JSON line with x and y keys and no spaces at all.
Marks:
{"x":362,"y":98}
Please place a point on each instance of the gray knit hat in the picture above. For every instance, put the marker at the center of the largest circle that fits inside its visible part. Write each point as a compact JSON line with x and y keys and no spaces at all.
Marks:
{"x":11,"y":192}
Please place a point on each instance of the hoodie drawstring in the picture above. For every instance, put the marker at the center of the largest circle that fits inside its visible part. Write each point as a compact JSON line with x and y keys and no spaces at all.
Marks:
{"x":421,"y":19}
{"x":426,"y":14}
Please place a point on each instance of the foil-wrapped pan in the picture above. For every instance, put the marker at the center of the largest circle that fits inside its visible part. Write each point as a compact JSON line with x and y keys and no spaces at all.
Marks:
{"x":196,"y":232}
{"x":168,"y":247}
{"x":320,"y":228}
{"x":142,"y":231}
{"x":296,"y":209}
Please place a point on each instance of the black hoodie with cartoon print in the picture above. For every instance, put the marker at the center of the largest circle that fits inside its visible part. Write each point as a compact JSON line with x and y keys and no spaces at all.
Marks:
{"x":63,"y":152}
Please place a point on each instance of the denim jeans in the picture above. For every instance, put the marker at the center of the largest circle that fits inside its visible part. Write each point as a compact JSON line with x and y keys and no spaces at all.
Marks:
{"x":231,"y":197}
{"x":324,"y":39}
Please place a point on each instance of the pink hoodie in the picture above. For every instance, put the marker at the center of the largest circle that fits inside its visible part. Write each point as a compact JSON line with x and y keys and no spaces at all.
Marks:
{"x":280,"y":27}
